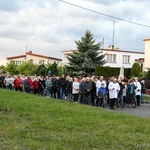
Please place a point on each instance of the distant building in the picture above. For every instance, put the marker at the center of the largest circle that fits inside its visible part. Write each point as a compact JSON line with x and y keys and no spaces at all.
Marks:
{"x":147,"y":54}
{"x":115,"y":57}
{"x":33,"y":58}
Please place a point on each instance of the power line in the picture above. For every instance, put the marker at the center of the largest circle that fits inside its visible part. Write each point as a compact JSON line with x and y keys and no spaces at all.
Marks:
{"x":100,"y":13}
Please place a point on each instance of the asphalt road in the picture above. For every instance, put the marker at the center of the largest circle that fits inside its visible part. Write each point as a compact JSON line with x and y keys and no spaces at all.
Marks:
{"x":143,"y":110}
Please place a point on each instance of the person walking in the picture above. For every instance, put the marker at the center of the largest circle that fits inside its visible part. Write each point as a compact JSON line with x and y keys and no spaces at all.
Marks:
{"x":131,"y":93}
{"x":62,"y":86}
{"x":87,"y":86}
{"x":137,"y":91}
{"x":114,"y":89}
{"x":75,"y":90}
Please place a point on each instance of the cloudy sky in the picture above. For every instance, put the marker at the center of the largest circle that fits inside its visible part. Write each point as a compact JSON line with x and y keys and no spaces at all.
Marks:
{"x":49,"y":26}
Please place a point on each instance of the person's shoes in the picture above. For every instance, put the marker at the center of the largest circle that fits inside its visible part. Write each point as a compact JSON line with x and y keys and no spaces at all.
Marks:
{"x":122,"y":106}
{"x":133,"y":106}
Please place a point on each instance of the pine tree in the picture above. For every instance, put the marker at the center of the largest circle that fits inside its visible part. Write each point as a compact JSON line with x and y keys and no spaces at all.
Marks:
{"x":87,"y":56}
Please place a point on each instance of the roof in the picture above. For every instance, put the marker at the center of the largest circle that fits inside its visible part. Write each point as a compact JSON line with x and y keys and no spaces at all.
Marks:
{"x":32,"y":54}
{"x":122,"y":51}
{"x":110,"y":50}
{"x":146,"y":39}
{"x":42,"y":56}
{"x":14,"y":57}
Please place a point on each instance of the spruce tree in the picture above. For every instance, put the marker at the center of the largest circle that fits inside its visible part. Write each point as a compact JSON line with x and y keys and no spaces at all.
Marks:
{"x":87,"y":57}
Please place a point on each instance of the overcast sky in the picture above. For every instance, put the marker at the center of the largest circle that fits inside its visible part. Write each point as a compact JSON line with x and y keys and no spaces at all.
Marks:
{"x":48,"y":27}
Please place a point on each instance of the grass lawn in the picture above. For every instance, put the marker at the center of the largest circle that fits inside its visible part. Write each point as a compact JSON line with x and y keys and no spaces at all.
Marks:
{"x":147,"y":98}
{"x":29,"y":122}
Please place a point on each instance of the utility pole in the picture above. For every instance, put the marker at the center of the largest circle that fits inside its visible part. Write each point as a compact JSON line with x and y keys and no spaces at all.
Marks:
{"x":113,"y":37}
{"x":26,"y":48}
{"x":103,"y":44}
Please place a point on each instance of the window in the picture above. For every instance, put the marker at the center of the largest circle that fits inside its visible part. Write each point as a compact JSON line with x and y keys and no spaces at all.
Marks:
{"x":31,"y":61}
{"x":126,"y":59}
{"x":18,"y":63}
{"x":41,"y":62}
{"x":111,"y":58}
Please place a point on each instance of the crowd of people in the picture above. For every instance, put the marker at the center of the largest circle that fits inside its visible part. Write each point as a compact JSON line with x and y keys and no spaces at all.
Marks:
{"x":95,"y":91}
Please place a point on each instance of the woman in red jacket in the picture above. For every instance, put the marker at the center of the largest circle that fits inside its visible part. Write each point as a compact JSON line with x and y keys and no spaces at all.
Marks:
{"x":29,"y":84}
{"x":15,"y":83}
{"x":35,"y":86}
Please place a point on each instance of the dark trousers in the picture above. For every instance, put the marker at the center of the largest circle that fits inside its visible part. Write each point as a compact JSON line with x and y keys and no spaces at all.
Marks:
{"x":100,"y":102}
{"x":81,"y":98}
{"x":86,"y":98}
{"x":112,"y":102}
{"x":61,"y":92}
{"x":132,"y":99}
{"x":75,"y":97}
{"x":53,"y":94}
{"x":93,"y":99}
{"x":35,"y":91}
{"x":138,"y":99}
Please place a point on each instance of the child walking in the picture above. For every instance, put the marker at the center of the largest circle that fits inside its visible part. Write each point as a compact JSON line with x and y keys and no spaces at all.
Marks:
{"x":101,"y":96}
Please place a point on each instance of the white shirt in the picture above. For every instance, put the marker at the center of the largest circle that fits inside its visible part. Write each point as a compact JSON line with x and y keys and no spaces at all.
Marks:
{"x":113,"y":88}
{"x":75,"y":88}
{"x":138,"y":88}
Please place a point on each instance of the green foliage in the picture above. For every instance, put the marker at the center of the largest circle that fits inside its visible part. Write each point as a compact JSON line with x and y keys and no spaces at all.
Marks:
{"x":62,"y":70}
{"x":29,"y":122}
{"x":147,"y":74}
{"x":42,"y":70}
{"x":12,"y":68}
{"x":27,"y":68}
{"x":135,"y":70}
{"x":110,"y":71}
{"x":3,"y":69}
{"x":87,"y":56}
{"x":53,"y":68}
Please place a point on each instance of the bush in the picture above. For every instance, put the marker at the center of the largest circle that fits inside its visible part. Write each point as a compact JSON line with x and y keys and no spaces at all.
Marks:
{"x":111,"y":71}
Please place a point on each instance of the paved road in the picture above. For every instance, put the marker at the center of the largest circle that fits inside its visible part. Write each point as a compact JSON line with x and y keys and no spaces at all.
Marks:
{"x":143,"y":110}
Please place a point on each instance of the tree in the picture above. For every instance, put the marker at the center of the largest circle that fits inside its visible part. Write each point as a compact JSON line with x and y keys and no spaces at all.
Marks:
{"x":12,"y":68}
{"x":27,"y":68}
{"x":2,"y":69}
{"x":53,"y":69}
{"x":87,"y":56}
{"x":42,"y":70}
{"x":135,"y":70}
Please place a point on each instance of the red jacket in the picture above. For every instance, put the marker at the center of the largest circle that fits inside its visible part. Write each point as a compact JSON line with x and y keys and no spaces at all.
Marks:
{"x":15,"y":83}
{"x":29,"y":82}
{"x":19,"y":82}
{"x":35,"y":85}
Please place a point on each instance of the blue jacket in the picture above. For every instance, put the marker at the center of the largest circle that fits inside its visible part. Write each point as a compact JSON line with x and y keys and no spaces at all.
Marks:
{"x":102,"y":92}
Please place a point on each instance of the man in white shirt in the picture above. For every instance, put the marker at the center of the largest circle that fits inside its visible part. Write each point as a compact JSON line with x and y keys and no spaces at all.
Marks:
{"x":99,"y":82}
{"x":113,"y":89}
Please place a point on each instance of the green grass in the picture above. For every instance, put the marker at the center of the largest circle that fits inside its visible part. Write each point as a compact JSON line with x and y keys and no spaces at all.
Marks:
{"x":29,"y":122}
{"x":147,"y":98}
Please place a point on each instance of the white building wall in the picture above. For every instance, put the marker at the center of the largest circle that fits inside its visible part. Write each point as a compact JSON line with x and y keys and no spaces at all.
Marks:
{"x":36,"y":59}
{"x":119,"y":58}
{"x":21,"y":59}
